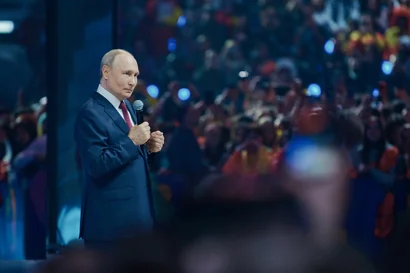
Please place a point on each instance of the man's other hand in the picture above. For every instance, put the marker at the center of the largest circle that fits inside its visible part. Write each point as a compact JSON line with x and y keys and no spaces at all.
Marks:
{"x":156,"y":142}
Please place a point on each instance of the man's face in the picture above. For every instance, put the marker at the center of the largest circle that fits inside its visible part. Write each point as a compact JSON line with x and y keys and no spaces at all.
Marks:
{"x":122,"y":76}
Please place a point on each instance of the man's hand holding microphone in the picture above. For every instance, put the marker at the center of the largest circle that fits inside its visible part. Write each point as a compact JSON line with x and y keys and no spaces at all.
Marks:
{"x":141,"y":134}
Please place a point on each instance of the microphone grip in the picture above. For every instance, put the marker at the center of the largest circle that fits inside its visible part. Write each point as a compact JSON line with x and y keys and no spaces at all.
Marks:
{"x":140,"y":117}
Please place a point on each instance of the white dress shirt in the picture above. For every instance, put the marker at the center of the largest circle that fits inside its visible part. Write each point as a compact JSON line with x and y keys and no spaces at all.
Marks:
{"x":114,"y":101}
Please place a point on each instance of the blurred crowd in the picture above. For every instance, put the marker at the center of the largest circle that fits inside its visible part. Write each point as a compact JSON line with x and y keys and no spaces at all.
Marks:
{"x":296,"y":112}
{"x":23,"y":136}
{"x":251,"y":88}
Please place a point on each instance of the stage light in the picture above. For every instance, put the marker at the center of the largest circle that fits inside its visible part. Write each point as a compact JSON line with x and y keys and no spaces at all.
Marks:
{"x":376,"y":93}
{"x":243,"y":74}
{"x":387,"y":67}
{"x":6,"y":27}
{"x":172,"y":44}
{"x":153,"y":91}
{"x":329,"y":46}
{"x":43,"y":101}
{"x":314,"y":90}
{"x":69,"y":223}
{"x":181,"y":21}
{"x":184,"y":94}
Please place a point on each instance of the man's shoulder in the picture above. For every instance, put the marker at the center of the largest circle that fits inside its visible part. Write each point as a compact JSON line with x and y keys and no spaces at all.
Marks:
{"x":89,"y":110}
{"x":90,"y":105}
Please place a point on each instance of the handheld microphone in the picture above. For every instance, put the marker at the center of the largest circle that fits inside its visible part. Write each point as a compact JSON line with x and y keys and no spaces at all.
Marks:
{"x":138,"y":106}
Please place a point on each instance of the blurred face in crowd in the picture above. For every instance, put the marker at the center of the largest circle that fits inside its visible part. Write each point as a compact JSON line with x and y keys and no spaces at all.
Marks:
{"x":311,"y":118}
{"x":367,"y":101}
{"x":270,"y":96}
{"x":365,"y":24}
{"x":258,"y":94}
{"x":192,"y":117}
{"x":243,"y":84}
{"x":318,"y":4}
{"x":212,"y":135}
{"x":405,"y":2}
{"x":205,"y":16}
{"x":365,"y":114}
{"x":211,"y":60}
{"x":232,"y":92}
{"x":405,"y":136}
{"x":406,"y":115}
{"x":217,"y":112}
{"x":203,"y":43}
{"x":235,"y":53}
{"x":284,"y":76}
{"x":373,"y":131}
{"x":121,"y":77}
{"x":268,"y":130}
{"x":239,"y":134}
{"x":269,"y":18}
{"x":22,"y":136}
{"x":373,"y":4}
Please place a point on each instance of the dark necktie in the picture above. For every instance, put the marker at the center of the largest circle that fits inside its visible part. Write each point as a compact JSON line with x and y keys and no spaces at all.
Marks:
{"x":124,"y":110}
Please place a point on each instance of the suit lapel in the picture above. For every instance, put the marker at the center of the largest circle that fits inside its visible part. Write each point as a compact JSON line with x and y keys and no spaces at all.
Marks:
{"x":115,"y":116}
{"x":112,"y":112}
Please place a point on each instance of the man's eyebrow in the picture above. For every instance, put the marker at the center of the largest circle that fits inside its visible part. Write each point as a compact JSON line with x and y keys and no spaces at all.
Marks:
{"x":132,"y":72}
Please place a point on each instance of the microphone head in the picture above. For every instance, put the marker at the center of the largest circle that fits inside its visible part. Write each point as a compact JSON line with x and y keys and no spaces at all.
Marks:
{"x":138,"y":105}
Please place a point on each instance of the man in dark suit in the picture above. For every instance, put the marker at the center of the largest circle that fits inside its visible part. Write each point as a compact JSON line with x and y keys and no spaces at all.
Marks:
{"x":114,"y":152}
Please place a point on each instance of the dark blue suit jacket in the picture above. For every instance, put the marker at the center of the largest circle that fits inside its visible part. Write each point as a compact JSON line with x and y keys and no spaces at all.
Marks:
{"x":117,"y":196}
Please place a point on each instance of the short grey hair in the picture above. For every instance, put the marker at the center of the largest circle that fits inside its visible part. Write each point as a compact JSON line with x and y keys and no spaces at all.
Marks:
{"x":109,"y":58}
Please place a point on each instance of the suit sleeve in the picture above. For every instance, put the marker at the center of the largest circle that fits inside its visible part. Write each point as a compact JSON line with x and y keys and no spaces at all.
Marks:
{"x":98,"y":157}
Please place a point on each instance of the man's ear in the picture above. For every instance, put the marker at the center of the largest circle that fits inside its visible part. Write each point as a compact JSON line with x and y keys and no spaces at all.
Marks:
{"x":104,"y":71}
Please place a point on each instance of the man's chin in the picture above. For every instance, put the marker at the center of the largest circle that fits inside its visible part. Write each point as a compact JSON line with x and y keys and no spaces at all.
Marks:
{"x":127,"y":95}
